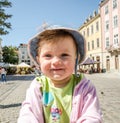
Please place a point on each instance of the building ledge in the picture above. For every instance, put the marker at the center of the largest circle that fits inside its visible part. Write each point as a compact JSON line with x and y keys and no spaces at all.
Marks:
{"x":112,"y":48}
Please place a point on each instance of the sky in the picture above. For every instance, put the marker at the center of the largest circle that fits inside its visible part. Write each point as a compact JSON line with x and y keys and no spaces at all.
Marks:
{"x":29,"y":15}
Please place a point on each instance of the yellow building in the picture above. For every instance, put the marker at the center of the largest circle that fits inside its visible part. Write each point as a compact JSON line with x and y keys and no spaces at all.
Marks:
{"x":91,"y":30}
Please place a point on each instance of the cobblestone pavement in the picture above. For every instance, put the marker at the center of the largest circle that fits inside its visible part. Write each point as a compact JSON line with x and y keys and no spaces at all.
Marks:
{"x":13,"y":93}
{"x":108,"y":89}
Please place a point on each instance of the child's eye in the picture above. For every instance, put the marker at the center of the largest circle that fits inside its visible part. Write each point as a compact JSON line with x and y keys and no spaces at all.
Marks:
{"x":47,"y":55}
{"x":64,"y":54}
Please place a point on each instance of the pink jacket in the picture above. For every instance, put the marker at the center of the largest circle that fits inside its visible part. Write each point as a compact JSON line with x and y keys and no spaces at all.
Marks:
{"x":85,"y":105}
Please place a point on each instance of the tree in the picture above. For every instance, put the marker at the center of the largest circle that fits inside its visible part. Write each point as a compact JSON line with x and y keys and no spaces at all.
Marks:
{"x":10,"y":54}
{"x":4,"y":25}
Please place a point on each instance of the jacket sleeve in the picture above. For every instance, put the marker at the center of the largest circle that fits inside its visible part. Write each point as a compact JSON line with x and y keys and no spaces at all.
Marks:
{"x":86,"y":104}
{"x":31,"y":110}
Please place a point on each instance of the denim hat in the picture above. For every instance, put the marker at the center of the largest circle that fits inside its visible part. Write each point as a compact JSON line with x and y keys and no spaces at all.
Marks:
{"x":80,"y":41}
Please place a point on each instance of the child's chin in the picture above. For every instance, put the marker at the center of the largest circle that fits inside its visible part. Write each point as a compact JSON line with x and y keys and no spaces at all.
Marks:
{"x":58,"y":77}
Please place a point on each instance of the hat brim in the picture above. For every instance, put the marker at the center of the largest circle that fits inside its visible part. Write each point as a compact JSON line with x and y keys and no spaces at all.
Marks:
{"x":80,"y":41}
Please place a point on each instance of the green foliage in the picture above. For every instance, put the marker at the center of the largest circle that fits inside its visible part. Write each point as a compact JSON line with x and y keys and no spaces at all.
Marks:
{"x":10,"y":54}
{"x":4,"y":25}
{"x":11,"y":70}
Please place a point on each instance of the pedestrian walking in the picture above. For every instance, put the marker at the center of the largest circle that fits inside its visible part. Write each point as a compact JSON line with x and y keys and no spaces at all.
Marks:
{"x":3,"y":74}
{"x":60,"y":95}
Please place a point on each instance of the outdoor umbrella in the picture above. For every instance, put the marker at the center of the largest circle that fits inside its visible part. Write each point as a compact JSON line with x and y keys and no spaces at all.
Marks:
{"x":23,"y":64}
{"x":88,"y":61}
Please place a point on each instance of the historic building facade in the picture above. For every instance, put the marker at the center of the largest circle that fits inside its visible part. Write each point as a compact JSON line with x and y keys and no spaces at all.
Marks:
{"x":23,"y":54}
{"x":102,"y":34}
{"x":110,"y":33}
{"x":91,"y":30}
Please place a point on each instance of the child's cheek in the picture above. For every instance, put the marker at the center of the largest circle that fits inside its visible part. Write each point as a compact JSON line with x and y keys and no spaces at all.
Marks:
{"x":44,"y":65}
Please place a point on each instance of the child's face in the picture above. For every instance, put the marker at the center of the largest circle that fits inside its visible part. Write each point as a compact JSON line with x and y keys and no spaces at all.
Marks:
{"x":57,"y":60}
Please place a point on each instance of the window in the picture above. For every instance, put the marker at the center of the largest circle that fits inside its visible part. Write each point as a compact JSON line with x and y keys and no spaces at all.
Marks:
{"x":87,"y":31}
{"x":107,"y":42}
{"x":92,"y":44}
{"x":107,"y":57}
{"x":98,"y":58}
{"x":114,"y":4}
{"x":116,"y":62}
{"x":23,"y":57}
{"x":116,"y":39}
{"x":88,"y":46}
{"x":106,"y":9}
{"x":97,"y":26}
{"x":115,"y":21}
{"x":107,"y":25}
{"x":84,"y":33}
{"x":98,"y":43}
{"x":92,"y":29}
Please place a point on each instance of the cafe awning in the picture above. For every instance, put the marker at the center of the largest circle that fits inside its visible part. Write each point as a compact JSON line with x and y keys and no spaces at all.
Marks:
{"x":88,"y":61}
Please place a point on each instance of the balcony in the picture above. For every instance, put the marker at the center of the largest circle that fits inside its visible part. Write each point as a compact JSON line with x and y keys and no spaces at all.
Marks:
{"x":113,"y":48}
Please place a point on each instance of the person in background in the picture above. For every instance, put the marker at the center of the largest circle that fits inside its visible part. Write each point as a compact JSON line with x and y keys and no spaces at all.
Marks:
{"x":60,"y":95}
{"x":3,"y":74}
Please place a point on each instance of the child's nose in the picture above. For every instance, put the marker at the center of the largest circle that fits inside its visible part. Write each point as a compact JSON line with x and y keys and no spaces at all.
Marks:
{"x":56,"y":61}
